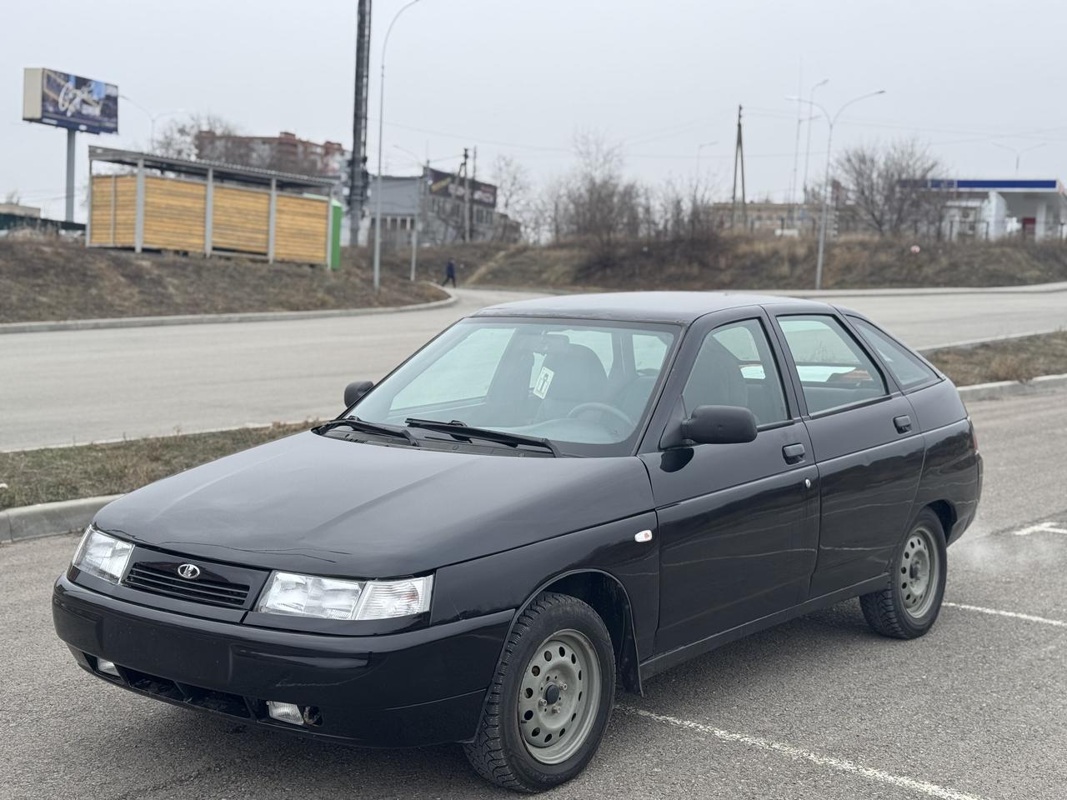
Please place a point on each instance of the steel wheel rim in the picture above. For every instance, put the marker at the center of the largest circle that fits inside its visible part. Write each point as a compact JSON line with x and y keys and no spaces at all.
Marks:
{"x":559,"y":696}
{"x":919,"y":573}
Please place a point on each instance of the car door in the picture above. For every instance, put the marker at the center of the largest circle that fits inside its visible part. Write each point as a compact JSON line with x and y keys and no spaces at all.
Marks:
{"x":866,"y":443}
{"x":738,"y":523}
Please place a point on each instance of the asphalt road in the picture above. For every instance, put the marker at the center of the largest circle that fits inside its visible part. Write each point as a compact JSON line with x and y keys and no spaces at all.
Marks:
{"x":817,"y":708}
{"x":67,"y":387}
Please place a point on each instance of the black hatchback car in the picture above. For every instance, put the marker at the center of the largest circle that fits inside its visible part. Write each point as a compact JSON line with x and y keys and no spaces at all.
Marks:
{"x":550,"y":498}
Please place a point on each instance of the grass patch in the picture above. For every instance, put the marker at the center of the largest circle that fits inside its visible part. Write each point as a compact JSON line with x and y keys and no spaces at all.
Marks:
{"x":1019,"y":359}
{"x":68,"y":473}
{"x":53,"y":279}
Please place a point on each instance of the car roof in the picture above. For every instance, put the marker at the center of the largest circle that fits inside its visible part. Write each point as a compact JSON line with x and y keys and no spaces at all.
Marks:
{"x":675,"y":307}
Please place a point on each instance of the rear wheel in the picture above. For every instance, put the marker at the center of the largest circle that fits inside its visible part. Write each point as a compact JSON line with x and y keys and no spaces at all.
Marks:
{"x":550,"y":700}
{"x":909,"y":607}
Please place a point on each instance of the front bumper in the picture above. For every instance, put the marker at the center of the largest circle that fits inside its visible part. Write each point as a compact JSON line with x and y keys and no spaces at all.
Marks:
{"x":407,"y":689}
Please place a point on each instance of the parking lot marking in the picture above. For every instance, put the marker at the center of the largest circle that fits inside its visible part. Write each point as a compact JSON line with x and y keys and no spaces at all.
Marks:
{"x":839,"y":764}
{"x":1056,"y":623}
{"x":1041,"y":527}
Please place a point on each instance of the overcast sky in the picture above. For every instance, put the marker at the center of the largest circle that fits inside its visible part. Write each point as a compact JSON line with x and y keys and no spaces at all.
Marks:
{"x":520,"y":77}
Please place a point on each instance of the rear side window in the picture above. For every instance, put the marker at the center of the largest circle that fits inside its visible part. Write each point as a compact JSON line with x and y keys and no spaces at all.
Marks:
{"x":833,"y":369}
{"x":907,"y":368}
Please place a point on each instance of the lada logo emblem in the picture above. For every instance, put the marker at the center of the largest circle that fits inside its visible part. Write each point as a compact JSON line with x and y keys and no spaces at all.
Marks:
{"x":189,"y":571}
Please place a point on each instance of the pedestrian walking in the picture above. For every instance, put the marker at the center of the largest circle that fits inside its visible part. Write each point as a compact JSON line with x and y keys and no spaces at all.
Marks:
{"x":450,"y":273}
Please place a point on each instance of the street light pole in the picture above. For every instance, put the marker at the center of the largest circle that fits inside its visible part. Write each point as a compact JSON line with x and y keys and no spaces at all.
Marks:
{"x":701,"y":147}
{"x":807,"y":148}
{"x":1018,"y":152}
{"x":830,"y":121}
{"x":378,"y":191}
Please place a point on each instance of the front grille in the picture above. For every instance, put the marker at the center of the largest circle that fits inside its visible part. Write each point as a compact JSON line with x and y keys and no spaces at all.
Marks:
{"x":163,"y":579}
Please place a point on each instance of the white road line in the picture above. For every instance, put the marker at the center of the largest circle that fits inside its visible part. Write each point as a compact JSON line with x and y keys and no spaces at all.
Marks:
{"x":1041,"y":527}
{"x":839,"y":764}
{"x":1010,"y":614}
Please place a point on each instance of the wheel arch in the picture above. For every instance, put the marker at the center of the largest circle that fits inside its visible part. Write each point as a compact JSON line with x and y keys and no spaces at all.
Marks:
{"x":946,"y":513}
{"x":606,"y":595}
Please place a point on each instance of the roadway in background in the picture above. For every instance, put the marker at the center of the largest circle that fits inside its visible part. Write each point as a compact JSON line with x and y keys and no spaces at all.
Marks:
{"x":817,"y":708}
{"x":75,"y":387}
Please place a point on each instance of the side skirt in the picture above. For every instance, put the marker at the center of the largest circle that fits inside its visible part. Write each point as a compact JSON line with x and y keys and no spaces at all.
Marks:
{"x":665,"y":661}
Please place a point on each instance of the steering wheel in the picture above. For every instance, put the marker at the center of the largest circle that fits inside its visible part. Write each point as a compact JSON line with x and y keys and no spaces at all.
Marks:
{"x":610,"y":410}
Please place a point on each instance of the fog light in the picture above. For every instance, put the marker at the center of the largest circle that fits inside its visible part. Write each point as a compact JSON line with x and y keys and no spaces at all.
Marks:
{"x":285,"y":712}
{"x":107,"y":667}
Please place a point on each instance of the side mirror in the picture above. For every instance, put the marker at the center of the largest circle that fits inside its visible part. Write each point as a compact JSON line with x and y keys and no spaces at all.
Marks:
{"x":356,"y":390}
{"x":708,"y":425}
{"x":720,"y":425}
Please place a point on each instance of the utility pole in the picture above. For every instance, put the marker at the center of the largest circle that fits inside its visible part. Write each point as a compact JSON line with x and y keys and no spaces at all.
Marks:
{"x":739,"y":163}
{"x":358,"y":177}
{"x":466,"y":197}
{"x":418,"y":220}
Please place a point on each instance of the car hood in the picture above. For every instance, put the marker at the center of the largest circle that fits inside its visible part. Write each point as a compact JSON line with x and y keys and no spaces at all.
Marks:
{"x":321,"y":505}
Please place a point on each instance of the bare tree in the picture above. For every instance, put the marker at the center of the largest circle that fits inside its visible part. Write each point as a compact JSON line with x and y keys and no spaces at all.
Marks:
{"x":178,"y":138}
{"x":889,"y":186}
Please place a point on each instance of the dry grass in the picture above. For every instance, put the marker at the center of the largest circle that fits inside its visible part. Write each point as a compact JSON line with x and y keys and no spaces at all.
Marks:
{"x":54,"y":279}
{"x":1019,"y":359}
{"x":764,"y":263}
{"x":66,"y":473}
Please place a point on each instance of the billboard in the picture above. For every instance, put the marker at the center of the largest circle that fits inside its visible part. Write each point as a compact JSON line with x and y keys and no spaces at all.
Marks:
{"x":70,"y":101}
{"x":445,"y":184}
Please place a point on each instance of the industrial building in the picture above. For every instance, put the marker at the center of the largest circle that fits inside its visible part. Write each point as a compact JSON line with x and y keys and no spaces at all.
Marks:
{"x":438,"y":203}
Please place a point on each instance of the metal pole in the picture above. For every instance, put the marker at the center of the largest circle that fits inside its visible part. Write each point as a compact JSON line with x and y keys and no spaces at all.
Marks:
{"x":415,"y":230}
{"x":807,"y":149}
{"x":378,"y":190}
{"x":71,"y":139}
{"x":825,"y":208}
{"x":830,"y":121}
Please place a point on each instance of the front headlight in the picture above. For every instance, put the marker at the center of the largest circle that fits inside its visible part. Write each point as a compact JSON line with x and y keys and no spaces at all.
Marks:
{"x":333,"y":598}
{"x":102,"y":555}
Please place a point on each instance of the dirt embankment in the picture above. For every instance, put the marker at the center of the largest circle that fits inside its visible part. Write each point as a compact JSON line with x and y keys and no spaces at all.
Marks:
{"x":740,"y":262}
{"x":52,"y":279}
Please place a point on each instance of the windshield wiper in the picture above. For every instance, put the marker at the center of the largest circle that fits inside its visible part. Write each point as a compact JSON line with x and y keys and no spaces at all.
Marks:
{"x":356,"y":424}
{"x":459,"y":430}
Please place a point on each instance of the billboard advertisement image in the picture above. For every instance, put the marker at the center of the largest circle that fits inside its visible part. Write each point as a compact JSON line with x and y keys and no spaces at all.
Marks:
{"x":445,"y":184}
{"x":70,"y":101}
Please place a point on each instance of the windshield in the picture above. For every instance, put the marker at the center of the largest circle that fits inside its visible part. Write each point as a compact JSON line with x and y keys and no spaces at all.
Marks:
{"x":584,"y":384}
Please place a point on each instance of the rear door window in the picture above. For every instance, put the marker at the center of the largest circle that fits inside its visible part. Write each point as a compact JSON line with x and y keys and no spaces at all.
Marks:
{"x":834,"y":370}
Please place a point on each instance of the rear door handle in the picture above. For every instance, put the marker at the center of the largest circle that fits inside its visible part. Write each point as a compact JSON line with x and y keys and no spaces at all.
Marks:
{"x":903,"y":423}
{"x":793,"y":453}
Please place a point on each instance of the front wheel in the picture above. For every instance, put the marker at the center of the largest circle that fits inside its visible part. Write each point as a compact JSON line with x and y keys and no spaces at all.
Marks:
{"x":909,"y":607}
{"x":550,"y":700}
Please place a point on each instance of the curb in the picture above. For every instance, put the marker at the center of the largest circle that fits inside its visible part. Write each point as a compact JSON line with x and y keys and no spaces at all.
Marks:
{"x":49,"y":519}
{"x":1002,"y":389}
{"x":211,"y":319}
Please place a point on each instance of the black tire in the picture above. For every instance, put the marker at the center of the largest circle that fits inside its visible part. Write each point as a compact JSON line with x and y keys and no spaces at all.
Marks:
{"x":909,"y":606}
{"x":505,"y":751}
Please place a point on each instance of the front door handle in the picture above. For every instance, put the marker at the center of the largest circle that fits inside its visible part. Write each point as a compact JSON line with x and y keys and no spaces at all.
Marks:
{"x":903,"y":423}
{"x":793,"y":453}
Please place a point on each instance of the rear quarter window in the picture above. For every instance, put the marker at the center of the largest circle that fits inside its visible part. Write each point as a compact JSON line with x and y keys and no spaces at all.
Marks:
{"x":908,"y":368}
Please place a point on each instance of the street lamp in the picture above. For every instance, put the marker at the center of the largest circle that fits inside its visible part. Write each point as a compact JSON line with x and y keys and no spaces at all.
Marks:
{"x":1018,"y":152}
{"x":807,"y":149}
{"x":381,"y":113}
{"x":701,"y":147}
{"x":151,"y":117}
{"x":830,"y":121}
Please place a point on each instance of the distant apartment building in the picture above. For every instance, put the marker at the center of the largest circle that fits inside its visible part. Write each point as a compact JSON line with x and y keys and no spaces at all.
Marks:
{"x":282,"y":153}
{"x":436,"y":201}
